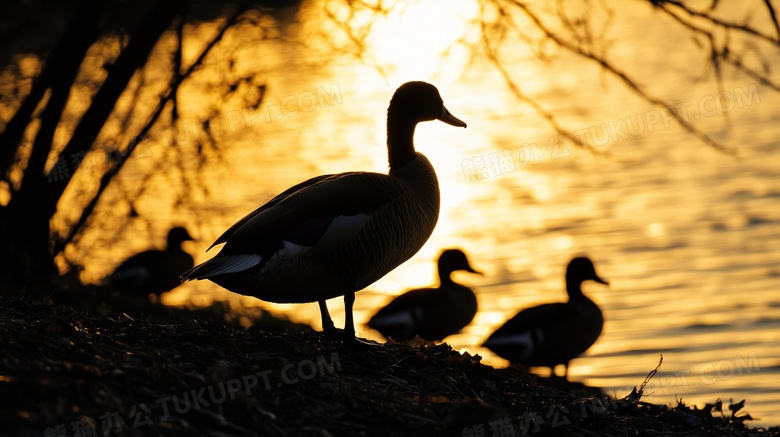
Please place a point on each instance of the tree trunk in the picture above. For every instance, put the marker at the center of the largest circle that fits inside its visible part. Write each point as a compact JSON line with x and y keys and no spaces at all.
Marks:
{"x":32,"y":207}
{"x":65,"y":57}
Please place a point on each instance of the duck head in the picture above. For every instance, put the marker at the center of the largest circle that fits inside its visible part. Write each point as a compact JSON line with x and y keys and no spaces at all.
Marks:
{"x":452,"y":260}
{"x":420,"y":101}
{"x":178,"y":235}
{"x":580,"y":269}
{"x":412,"y":103}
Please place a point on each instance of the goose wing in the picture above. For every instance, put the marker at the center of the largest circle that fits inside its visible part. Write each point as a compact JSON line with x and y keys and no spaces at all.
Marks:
{"x":526,"y":328}
{"x":547,"y":335}
{"x":136,"y":272}
{"x":281,"y":196}
{"x":403,"y":317}
{"x":413,"y":300}
{"x":305,"y":211}
{"x":541,"y":316}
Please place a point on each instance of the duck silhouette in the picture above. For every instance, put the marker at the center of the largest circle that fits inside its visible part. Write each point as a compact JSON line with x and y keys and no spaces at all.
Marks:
{"x":154,"y":271}
{"x":334,"y":235}
{"x":431,"y":313}
{"x":554,"y":333}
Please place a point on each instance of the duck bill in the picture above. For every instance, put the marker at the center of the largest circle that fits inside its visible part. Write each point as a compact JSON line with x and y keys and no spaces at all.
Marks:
{"x":470,"y":270}
{"x":600,"y":281}
{"x":450,"y":119}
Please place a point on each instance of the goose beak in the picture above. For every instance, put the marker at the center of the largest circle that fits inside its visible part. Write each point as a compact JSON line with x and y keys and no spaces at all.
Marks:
{"x":450,"y":119}
{"x":470,"y":270}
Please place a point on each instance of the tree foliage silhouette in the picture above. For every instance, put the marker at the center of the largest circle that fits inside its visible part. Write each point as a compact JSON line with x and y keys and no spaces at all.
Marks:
{"x":28,"y":145}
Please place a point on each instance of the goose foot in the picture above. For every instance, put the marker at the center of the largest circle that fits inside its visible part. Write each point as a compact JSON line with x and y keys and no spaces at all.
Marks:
{"x":348,"y":333}
{"x":360,"y":343}
{"x":333,"y":333}
{"x":350,"y":341}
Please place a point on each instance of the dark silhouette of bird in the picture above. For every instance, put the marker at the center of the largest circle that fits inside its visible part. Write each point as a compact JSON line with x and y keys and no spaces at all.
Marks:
{"x":154,"y":271}
{"x":334,"y":235}
{"x":554,"y":333}
{"x":431,"y":313}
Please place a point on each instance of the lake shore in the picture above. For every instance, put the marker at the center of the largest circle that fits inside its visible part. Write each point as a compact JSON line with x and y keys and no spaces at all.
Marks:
{"x":69,"y":369}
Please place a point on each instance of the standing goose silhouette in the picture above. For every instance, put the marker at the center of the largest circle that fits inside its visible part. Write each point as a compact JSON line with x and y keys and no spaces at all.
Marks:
{"x":554,"y":333}
{"x":431,"y":313}
{"x":334,"y":235}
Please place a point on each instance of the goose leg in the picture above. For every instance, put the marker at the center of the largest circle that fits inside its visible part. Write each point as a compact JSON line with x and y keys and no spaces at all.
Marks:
{"x":349,"y":326}
{"x":349,"y":323}
{"x":327,"y":323}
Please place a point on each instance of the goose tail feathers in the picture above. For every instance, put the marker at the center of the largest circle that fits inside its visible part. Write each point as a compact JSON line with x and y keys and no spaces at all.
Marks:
{"x":221,"y":265}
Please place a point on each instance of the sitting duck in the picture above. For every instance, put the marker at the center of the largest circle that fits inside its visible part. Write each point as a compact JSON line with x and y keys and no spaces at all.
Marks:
{"x":154,"y":271}
{"x":431,"y":313}
{"x":554,"y":333}
{"x":334,"y":235}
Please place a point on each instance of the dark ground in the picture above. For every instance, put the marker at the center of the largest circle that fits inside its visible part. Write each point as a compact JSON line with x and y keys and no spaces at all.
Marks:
{"x":89,"y":370}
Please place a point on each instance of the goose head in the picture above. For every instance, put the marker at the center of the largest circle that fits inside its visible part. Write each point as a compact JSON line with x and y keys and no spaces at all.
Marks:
{"x":580,"y":269}
{"x":452,"y":260}
{"x":420,"y":101}
{"x":412,"y":103}
{"x":178,"y":235}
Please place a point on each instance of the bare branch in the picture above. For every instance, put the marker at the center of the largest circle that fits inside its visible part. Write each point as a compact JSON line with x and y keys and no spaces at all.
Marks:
{"x":723,"y":54}
{"x":622,"y":76}
{"x":109,"y":175}
{"x":773,"y":16}
{"x":682,"y":7}
{"x":550,"y":118}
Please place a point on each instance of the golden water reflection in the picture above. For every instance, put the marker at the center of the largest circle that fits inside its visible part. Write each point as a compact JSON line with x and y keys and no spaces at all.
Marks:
{"x":687,"y":237}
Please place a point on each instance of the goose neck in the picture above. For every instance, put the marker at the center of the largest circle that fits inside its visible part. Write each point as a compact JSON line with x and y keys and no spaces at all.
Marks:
{"x":573,"y":289}
{"x":445,"y":277}
{"x":174,"y":245}
{"x":400,"y":141}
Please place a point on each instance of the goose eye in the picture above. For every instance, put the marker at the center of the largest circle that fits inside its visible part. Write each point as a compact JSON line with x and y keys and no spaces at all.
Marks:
{"x":436,"y":101}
